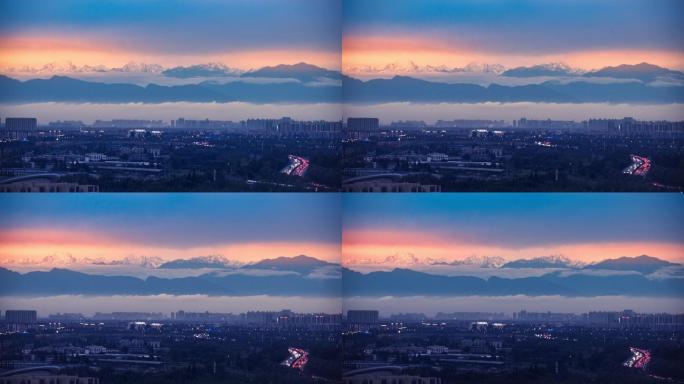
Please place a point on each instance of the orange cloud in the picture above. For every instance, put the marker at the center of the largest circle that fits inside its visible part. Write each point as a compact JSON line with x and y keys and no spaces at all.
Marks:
{"x":35,"y":51}
{"x":379,"y":50}
{"x":19,"y":246}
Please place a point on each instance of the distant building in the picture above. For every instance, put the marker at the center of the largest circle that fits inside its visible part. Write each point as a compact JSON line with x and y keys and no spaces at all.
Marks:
{"x":20,"y":316}
{"x":437,"y":157}
{"x":437,"y":349}
{"x":362,"y":316}
{"x":390,"y":379}
{"x":465,"y":123}
{"x":287,"y":127}
{"x":128,"y":124}
{"x":361,"y":128}
{"x":46,"y":185}
{"x":21,"y":123}
{"x":20,"y":127}
{"x":38,"y":378}
{"x":389,"y":186}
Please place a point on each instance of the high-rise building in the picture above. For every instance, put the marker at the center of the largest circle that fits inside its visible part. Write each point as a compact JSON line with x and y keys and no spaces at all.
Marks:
{"x":362,"y":128}
{"x":20,"y":316}
{"x":21,"y":123}
{"x":362,"y":316}
{"x":20,"y":127}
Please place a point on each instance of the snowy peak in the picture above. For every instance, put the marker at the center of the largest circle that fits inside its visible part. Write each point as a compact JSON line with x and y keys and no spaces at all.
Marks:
{"x":133,"y":67}
{"x":137,"y":261}
{"x":477,"y":261}
{"x":67,"y":259}
{"x":67,"y":67}
{"x":410,"y":67}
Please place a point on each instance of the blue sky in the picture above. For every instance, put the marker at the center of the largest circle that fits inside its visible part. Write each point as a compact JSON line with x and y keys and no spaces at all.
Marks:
{"x":448,"y":227}
{"x":241,"y":33}
{"x":182,"y":218}
{"x":525,"y":219}
{"x":529,"y":25}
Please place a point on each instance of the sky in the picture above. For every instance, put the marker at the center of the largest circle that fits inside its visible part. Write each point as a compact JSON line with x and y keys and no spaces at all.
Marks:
{"x":252,"y":33}
{"x":240,"y":227}
{"x":241,"y":34}
{"x":364,"y":38}
{"x":448,"y":227}
{"x":581,"y":33}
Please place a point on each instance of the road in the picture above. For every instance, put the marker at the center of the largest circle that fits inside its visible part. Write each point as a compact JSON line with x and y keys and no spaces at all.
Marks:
{"x":640,"y":358}
{"x":639,"y":167}
{"x":297,"y":167}
{"x":297,"y":359}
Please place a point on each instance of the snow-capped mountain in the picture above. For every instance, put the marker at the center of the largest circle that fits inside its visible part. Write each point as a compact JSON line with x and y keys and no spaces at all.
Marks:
{"x":138,"y":261}
{"x":134,"y":67}
{"x":412,"y":68}
{"x":67,"y":67}
{"x":496,"y":69}
{"x":405,"y":259}
{"x":477,"y":261}
{"x":67,"y":259}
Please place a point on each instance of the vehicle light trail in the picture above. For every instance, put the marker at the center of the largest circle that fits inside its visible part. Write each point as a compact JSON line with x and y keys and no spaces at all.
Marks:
{"x":297,"y":167}
{"x":639,"y":167}
{"x":639,"y":359}
{"x":297,"y":359}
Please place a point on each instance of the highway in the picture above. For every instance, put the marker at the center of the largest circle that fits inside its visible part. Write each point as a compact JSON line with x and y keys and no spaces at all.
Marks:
{"x":297,"y":167}
{"x":297,"y":359}
{"x":639,"y":359}
{"x":639,"y":167}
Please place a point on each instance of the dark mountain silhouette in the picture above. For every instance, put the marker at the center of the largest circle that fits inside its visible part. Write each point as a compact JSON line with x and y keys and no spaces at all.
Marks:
{"x":642,"y":264}
{"x":398,"y":282}
{"x":548,"y":70}
{"x":403,"y":282}
{"x":300,"y":264}
{"x":66,"y":89}
{"x":301,"y":71}
{"x":398,"y":88}
{"x":408,"y":89}
{"x":645,"y":72}
{"x":198,"y":262}
{"x":200,"y":70}
{"x":542,"y":262}
{"x":62,"y":281}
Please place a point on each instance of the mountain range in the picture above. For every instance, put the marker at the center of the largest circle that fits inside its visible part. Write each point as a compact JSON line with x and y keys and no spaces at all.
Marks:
{"x":396,"y":89}
{"x":301,"y":280}
{"x":553,"y":261}
{"x":551,"y":69}
{"x":201,"y":70}
{"x":305,"y":265}
{"x":211,"y":261}
{"x":643,"y":264}
{"x":406,"y":282}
